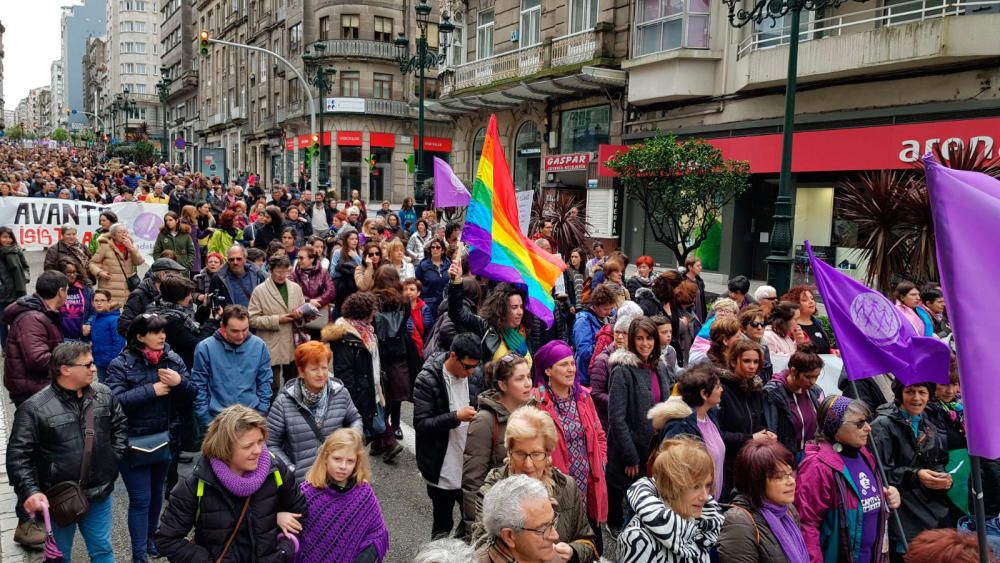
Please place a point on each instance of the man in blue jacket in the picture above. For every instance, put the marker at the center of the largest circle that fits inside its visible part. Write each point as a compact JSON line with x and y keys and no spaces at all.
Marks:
{"x":589,"y":322}
{"x":231,"y":366}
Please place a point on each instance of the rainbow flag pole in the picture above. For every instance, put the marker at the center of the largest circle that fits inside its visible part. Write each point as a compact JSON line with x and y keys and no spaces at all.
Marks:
{"x":498,"y":250}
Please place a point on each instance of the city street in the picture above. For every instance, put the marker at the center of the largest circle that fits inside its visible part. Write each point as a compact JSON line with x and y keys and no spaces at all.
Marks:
{"x":399,"y":487}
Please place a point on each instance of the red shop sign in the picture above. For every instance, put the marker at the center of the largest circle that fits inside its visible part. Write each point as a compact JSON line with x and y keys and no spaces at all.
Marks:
{"x":434,"y":144}
{"x":289,"y":144}
{"x":385,"y":140}
{"x":566,"y":162}
{"x":886,"y":147}
{"x":305,"y":141}
{"x":349,"y":138}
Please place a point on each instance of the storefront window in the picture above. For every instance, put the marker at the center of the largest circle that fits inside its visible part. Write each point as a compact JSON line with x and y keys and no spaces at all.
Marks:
{"x":477,"y":150}
{"x":350,"y":171}
{"x":582,"y":130}
{"x":527,"y":157}
{"x":380,"y":177}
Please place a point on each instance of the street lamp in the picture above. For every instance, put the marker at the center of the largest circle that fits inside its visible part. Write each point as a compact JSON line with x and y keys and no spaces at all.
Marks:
{"x":323,"y":81}
{"x":419,"y":62}
{"x":779,"y":271}
{"x":124,"y":104}
{"x":163,"y":87}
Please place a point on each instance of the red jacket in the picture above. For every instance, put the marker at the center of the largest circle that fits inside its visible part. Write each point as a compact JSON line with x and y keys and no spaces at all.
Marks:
{"x":35,"y":330}
{"x":597,"y":449}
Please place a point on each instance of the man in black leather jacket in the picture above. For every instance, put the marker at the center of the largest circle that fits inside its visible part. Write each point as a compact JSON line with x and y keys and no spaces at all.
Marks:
{"x":47,"y":446}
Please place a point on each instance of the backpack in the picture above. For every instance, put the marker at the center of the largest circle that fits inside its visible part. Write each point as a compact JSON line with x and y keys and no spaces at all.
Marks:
{"x":391,"y":332}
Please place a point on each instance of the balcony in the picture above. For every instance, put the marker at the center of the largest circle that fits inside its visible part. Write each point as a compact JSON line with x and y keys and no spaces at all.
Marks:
{"x":216,"y":119}
{"x":238,"y":114}
{"x":358,"y":49}
{"x":371,"y":106}
{"x":904,"y":36}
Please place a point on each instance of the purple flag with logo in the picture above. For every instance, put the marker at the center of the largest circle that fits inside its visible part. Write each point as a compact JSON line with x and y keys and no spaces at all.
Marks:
{"x":449,"y":191}
{"x":966,"y":210}
{"x":874,"y":337}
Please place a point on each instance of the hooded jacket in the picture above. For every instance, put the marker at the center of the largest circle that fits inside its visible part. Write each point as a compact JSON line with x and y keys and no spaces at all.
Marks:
{"x":131,"y":377}
{"x":105,"y":342}
{"x":585,"y":329}
{"x":139,"y":299}
{"x":828,"y":503}
{"x":780,"y":415}
{"x":630,"y":433}
{"x":180,"y":243}
{"x":674,"y":417}
{"x":183,"y":332}
{"x":14,"y":274}
{"x":432,"y":417}
{"x":903,"y":455}
{"x":746,"y":536}
{"x":234,"y":290}
{"x":225,"y":374}
{"x":289,"y":434}
{"x":35,"y":331}
{"x":657,"y":534}
{"x":352,"y":365}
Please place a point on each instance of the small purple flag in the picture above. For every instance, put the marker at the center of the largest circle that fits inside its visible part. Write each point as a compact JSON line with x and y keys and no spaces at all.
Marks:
{"x":449,"y":191}
{"x":874,"y":337}
{"x":966,"y":210}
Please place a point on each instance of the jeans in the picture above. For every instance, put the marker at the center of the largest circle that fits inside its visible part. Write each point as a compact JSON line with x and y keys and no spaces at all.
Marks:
{"x":145,"y":498}
{"x":443,"y":502}
{"x":95,"y":528}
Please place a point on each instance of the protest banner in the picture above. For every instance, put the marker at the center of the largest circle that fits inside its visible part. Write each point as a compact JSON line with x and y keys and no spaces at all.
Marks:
{"x":36,"y":221}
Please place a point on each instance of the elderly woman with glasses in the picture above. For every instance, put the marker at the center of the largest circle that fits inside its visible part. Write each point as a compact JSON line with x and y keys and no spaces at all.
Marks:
{"x":841,"y":500}
{"x":531,"y":439}
{"x":519,"y":523}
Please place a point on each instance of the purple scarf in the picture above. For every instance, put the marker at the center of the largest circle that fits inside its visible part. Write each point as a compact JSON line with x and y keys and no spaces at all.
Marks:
{"x":356,"y":517}
{"x":242,"y":485}
{"x":787,"y":532}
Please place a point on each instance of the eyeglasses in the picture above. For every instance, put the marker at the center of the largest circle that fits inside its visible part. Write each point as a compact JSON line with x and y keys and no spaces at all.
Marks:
{"x":536,"y":457}
{"x":786,"y":476}
{"x":756,"y":324}
{"x":234,"y":259}
{"x":87,"y":365}
{"x":544,"y":529}
{"x":768,"y":298}
{"x":467,"y":367}
{"x":374,"y":254}
{"x":859,"y":424}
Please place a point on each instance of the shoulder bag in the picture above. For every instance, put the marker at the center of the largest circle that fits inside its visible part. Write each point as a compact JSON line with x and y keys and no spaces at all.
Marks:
{"x":67,"y":503}
{"x":133,"y":280}
{"x":236,"y":529}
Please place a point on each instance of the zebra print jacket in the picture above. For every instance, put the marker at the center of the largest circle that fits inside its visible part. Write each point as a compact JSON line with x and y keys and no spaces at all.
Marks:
{"x":657,"y":534}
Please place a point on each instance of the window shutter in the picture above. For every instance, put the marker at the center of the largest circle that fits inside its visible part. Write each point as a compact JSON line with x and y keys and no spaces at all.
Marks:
{"x":601,"y":212}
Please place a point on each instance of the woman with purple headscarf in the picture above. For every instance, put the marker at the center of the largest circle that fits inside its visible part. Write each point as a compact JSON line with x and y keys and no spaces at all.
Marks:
{"x":582,"y":451}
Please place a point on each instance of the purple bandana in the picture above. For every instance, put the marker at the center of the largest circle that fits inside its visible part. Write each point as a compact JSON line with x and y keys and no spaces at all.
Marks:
{"x":835,"y":415}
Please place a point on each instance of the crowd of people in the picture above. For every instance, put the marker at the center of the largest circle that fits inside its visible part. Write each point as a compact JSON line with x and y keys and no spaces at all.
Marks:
{"x":276,"y":334}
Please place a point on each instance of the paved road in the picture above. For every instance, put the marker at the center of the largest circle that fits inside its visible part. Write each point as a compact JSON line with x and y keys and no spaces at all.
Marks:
{"x":399,"y":487}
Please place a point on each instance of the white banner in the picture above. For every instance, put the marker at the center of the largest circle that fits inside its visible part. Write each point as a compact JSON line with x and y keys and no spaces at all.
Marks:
{"x":524,"y":200}
{"x":36,"y":221}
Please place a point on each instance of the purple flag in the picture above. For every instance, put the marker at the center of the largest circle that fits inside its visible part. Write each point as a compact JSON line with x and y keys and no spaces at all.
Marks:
{"x":966,"y":210}
{"x":449,"y":191}
{"x":874,"y":337}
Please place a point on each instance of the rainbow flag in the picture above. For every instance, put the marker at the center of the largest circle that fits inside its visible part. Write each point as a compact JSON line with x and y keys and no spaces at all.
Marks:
{"x":498,"y":250}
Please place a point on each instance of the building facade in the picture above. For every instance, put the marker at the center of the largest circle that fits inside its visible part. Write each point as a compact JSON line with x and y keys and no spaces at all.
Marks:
{"x":42,"y":111}
{"x":57,"y":111}
{"x":78,"y":24}
{"x":3,"y":112}
{"x":177,"y":38}
{"x":133,"y":61}
{"x":95,"y":85}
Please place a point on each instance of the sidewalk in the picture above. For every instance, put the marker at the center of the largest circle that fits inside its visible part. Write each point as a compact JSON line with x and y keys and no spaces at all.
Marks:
{"x":10,"y":552}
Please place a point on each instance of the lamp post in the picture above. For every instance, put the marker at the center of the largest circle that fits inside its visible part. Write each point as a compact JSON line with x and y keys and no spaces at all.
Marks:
{"x":323,"y":81}
{"x":420,"y":62}
{"x":780,"y":259}
{"x":163,"y":87}
{"x":124,"y":104}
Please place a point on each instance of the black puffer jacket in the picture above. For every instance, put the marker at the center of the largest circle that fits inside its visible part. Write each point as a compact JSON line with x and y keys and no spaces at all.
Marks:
{"x":432,"y":417}
{"x":630,"y":432}
{"x":138,"y":301}
{"x":183,"y":332}
{"x":467,"y":321}
{"x":131,"y":377}
{"x":742,"y":412}
{"x":217,"y":512}
{"x":352,"y":365}
{"x":903,"y":455}
{"x":46,"y":443}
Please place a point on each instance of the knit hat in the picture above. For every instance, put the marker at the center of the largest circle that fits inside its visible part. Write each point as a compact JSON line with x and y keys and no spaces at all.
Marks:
{"x":628,"y":312}
{"x":548,"y":355}
{"x":834,"y":418}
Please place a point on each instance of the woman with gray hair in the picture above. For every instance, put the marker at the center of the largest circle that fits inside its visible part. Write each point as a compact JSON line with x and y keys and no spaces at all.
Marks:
{"x":115,"y":262}
{"x":445,"y":550}
{"x":520,"y":523}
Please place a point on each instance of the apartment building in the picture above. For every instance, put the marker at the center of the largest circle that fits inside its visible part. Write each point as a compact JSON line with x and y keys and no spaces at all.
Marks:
{"x":96,"y":92}
{"x":880,"y":84}
{"x":178,"y":34}
{"x":77,"y":25}
{"x":133,"y":60}
{"x":42,"y":110}
{"x":57,"y":111}
{"x":550,"y":71}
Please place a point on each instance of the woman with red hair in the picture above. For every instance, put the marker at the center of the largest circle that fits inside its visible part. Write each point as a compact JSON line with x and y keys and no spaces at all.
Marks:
{"x":226,"y":234}
{"x":643,"y":275}
{"x":308,"y":409}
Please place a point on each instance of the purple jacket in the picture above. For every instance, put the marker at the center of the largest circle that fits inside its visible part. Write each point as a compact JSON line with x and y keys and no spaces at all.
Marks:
{"x":316,"y":284}
{"x":828,"y":504}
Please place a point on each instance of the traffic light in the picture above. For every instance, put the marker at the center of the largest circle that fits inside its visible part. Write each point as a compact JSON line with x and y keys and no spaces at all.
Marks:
{"x":203,"y":43}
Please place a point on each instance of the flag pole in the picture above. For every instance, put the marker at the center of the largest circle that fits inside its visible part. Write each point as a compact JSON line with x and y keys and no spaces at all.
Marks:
{"x":881,"y":473}
{"x":980,"y":509}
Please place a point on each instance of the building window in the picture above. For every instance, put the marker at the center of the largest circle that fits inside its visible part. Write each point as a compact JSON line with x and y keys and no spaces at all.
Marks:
{"x":582,"y":130}
{"x":772,"y":34}
{"x":477,"y":150}
{"x":383,"y":86}
{"x":456,"y":51}
{"x":582,"y":15}
{"x":349,"y":24}
{"x":293,"y":91}
{"x":295,"y":39}
{"x":671,"y":24}
{"x":324,"y":28}
{"x":383,"y":29}
{"x":350,"y":83}
{"x":484,"y":34}
{"x":132,"y":27}
{"x":531,"y":19}
{"x":433,"y":37}
{"x":527,"y":157}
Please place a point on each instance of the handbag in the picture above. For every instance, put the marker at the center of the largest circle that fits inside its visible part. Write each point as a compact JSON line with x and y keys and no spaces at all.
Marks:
{"x":150,"y":449}
{"x":67,"y":503}
{"x":133,"y":281}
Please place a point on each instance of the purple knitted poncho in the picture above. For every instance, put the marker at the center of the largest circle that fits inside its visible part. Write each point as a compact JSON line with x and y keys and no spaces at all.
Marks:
{"x":341,"y":525}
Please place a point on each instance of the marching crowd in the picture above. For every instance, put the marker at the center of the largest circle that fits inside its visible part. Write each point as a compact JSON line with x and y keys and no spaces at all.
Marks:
{"x":277,"y":333}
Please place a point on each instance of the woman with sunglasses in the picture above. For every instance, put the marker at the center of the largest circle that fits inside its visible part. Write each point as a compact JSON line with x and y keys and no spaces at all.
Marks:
{"x":371,"y":259}
{"x":432,"y":272}
{"x":753,"y":321}
{"x":841,"y":500}
{"x":152,"y":384}
{"x":531,"y":439}
{"x":914,"y":453}
{"x":583,"y":447}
